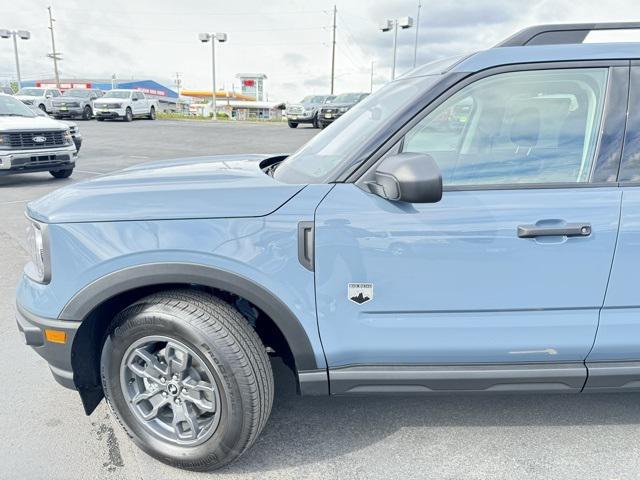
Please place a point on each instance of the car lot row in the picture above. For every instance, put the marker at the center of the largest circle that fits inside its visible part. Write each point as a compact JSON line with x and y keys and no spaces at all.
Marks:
{"x":87,"y":103}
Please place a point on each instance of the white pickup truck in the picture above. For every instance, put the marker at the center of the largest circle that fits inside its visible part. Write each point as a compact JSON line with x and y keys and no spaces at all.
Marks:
{"x":33,"y":143}
{"x":38,"y":97}
{"x":125,"y":104}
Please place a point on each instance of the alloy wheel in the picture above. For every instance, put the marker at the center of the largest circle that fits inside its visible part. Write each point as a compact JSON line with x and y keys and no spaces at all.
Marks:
{"x":170,"y":390}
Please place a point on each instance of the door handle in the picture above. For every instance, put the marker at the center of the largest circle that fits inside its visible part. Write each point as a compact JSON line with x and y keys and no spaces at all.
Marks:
{"x":566,"y":230}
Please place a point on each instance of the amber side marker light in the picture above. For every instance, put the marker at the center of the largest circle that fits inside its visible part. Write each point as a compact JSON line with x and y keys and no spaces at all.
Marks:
{"x":55,"y":336}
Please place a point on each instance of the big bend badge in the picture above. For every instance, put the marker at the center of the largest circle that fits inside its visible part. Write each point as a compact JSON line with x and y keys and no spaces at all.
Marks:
{"x":360,"y":292}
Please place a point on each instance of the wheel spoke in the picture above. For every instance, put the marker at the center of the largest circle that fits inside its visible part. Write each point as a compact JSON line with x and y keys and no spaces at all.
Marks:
{"x":197,"y":394}
{"x":178,"y":359}
{"x":184,"y":413}
{"x":146,"y":395}
{"x":151,"y":369}
{"x":157,"y":402}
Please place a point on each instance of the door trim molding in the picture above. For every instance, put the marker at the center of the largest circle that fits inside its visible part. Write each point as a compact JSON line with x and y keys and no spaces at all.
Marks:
{"x":430,"y":379}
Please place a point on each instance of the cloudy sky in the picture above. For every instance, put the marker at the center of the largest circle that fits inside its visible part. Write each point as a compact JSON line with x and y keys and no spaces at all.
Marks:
{"x":289,"y":40}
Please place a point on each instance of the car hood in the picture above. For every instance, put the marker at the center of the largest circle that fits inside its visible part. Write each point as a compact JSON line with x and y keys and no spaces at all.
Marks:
{"x":70,"y":99}
{"x":26,"y":97}
{"x":203,"y":187}
{"x":337,"y":105}
{"x":112,"y":100}
{"x":30,"y":123}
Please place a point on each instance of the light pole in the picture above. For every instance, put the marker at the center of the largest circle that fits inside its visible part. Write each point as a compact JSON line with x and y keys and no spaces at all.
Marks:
{"x":204,"y":38}
{"x":24,"y":35}
{"x":387,"y":26}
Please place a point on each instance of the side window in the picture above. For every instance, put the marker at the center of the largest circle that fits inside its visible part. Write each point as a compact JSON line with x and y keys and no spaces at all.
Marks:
{"x":520,"y":127}
{"x":630,"y":168}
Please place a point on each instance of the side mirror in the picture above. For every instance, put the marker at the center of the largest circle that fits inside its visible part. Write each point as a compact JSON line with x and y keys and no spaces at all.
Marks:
{"x":134,"y":99}
{"x":408,"y":177}
{"x":48,"y":95}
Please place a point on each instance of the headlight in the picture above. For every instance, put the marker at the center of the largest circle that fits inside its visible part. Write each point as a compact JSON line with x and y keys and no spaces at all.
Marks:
{"x":343,"y":109}
{"x":39,"y":268}
{"x":5,"y":141}
{"x":68,"y":137}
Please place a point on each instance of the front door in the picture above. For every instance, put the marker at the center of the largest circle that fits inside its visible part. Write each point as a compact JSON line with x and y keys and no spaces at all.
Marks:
{"x":509,"y":268}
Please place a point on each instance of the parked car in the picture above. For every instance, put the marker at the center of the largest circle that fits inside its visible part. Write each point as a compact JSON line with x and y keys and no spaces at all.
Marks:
{"x":73,"y":128}
{"x":33,"y":143}
{"x":338,"y":106}
{"x":38,"y":97}
{"x":7,"y":90}
{"x":75,"y":102}
{"x":126,"y":105}
{"x":378,"y":258}
{"x":307,"y":110}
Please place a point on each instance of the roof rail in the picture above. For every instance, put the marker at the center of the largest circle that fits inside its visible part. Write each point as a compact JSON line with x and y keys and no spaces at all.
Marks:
{"x":561,"y":34}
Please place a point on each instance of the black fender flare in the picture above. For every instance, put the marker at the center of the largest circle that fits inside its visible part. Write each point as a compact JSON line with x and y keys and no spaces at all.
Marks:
{"x":144,"y":275}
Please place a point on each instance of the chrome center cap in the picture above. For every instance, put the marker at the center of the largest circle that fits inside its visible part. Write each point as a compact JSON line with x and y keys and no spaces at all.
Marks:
{"x":173,"y":389}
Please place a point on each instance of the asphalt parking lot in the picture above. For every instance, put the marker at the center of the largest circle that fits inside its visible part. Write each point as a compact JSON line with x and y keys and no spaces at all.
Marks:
{"x":44,"y":433}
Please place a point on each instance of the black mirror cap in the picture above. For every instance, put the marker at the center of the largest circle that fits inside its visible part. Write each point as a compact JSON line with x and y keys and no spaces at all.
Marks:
{"x":410,"y":177}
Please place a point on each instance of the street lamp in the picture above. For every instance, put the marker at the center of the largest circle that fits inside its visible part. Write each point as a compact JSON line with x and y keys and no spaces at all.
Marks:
{"x":24,"y":35}
{"x":204,"y":38}
{"x":387,"y":26}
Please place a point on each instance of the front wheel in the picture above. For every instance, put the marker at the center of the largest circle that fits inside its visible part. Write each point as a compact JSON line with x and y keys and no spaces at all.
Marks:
{"x":61,"y":173}
{"x":152,"y":113}
{"x":292,"y":125}
{"x":188,"y":379}
{"x":128,"y":115}
{"x":87,"y":113}
{"x":42,"y":107}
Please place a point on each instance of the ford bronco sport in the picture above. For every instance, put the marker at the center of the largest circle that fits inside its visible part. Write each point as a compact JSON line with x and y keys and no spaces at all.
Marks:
{"x":470,"y":227}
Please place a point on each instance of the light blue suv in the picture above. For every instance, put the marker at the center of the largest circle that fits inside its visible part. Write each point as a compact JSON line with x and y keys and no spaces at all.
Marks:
{"x":473,"y":226}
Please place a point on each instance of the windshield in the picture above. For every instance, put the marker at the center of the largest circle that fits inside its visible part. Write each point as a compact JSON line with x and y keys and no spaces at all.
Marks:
{"x":32,"y":92}
{"x":347,"y":98}
{"x":312,"y":99}
{"x":322,"y":157}
{"x":117,"y":94}
{"x":12,"y":107}
{"x":77,"y":92}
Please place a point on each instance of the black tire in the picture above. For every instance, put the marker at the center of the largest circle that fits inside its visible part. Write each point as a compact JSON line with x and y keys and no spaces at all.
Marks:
{"x":225,"y":342}
{"x":87,"y":113}
{"x":128,"y":115}
{"x":323,"y":125}
{"x":316,"y":124}
{"x":100,"y":119}
{"x":152,"y":113}
{"x":42,"y":107}
{"x":61,"y":173}
{"x":292,"y":125}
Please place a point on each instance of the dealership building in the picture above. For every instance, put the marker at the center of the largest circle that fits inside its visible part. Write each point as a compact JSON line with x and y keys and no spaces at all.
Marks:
{"x":167,"y":98}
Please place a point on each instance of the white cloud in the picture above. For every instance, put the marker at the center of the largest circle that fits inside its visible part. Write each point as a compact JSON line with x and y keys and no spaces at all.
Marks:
{"x":289,"y":40}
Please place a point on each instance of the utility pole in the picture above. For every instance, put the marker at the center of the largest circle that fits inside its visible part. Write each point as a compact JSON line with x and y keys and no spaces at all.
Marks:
{"x":178,"y":83}
{"x":371,"y":87}
{"x":395,"y":49}
{"x":54,"y":54}
{"x":415,"y":48}
{"x":333,"y":49}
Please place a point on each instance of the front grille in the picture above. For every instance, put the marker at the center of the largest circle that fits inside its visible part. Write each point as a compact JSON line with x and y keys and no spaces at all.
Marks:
{"x":28,"y":139}
{"x":67,"y":104}
{"x":297,"y":110}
